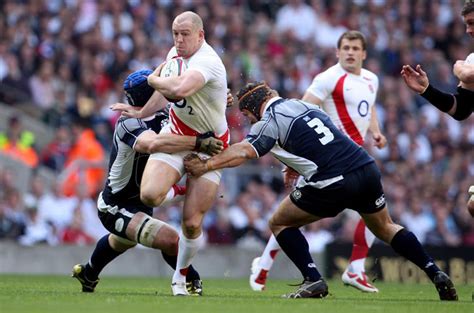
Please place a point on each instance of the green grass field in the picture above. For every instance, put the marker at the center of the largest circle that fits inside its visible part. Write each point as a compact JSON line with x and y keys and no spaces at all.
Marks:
{"x":22,"y":293}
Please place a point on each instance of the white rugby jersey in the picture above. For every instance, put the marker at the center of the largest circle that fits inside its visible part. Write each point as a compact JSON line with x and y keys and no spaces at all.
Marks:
{"x":347,"y":99}
{"x":469,"y":60}
{"x":205,"y":110}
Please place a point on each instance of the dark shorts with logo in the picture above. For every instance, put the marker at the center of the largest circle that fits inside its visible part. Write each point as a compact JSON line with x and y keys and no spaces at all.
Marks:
{"x":360,"y":190}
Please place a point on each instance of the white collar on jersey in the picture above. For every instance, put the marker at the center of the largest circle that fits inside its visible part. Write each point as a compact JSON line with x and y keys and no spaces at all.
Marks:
{"x":270,"y":102}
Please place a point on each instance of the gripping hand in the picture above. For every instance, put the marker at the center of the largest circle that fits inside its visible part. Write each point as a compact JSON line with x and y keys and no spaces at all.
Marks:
{"x":208,"y":144}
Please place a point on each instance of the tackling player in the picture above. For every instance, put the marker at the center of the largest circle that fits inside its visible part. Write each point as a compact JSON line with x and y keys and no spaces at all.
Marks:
{"x":338,"y":174}
{"x":346,"y":92}
{"x":120,"y":209}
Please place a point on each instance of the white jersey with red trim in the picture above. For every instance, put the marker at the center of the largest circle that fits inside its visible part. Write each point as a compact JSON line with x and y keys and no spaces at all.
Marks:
{"x":204,"y":110}
{"x":347,"y":99}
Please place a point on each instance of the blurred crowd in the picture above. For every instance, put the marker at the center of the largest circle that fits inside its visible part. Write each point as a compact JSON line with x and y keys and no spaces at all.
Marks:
{"x":68,"y":59}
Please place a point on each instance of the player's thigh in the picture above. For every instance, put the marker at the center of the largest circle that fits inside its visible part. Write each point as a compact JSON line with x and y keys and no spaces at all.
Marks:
{"x":116,"y":219}
{"x":128,"y":228}
{"x":200,"y":195}
{"x":158,"y":178}
{"x":289,"y":215}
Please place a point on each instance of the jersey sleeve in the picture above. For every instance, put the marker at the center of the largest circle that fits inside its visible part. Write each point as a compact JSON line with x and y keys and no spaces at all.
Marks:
{"x":128,"y":130}
{"x":321,"y":86}
{"x":208,"y":67}
{"x":263,"y":135}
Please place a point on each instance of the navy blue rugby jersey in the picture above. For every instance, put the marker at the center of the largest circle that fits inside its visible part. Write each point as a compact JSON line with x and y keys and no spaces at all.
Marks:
{"x":303,"y":137}
{"x":126,"y":166}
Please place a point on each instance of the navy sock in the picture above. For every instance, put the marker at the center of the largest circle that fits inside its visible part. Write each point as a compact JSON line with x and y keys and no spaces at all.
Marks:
{"x":407,"y":245}
{"x":294,"y":244}
{"x":172,"y":259}
{"x":103,"y":254}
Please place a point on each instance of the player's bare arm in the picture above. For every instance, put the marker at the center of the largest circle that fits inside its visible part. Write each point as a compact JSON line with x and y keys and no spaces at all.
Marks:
{"x":290,"y":177}
{"x":178,"y":87}
{"x":309,"y":97}
{"x":379,"y":139}
{"x":234,"y":156}
{"x":149,"y":142}
{"x":155,"y":103}
{"x":464,"y":71}
{"x":417,"y":80}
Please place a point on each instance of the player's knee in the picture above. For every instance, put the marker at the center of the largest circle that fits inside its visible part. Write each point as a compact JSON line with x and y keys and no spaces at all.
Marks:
{"x":120,"y":244}
{"x":274,"y":226}
{"x":385,"y":231}
{"x":151,"y":197}
{"x":191,"y":228}
{"x":192,"y":224}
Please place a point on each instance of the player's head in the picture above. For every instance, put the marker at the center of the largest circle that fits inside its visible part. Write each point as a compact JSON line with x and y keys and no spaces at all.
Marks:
{"x":352,"y":51}
{"x":252,"y":97}
{"x":136,"y":88}
{"x":468,"y":16}
{"x":188,"y":33}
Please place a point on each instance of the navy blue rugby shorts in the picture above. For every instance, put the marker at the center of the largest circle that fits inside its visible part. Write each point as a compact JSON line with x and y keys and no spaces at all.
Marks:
{"x":361,"y":190}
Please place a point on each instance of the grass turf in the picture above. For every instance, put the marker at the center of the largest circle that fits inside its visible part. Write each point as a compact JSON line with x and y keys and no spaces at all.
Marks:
{"x":31,"y":293}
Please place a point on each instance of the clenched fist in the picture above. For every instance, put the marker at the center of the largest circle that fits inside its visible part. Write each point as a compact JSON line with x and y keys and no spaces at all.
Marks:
{"x":194,"y":165}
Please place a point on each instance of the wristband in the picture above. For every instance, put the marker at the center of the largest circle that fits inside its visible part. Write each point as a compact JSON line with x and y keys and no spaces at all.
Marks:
{"x":424,"y":90}
{"x":441,"y":100}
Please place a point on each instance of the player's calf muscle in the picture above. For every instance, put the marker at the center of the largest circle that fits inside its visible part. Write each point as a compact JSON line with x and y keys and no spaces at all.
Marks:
{"x":166,"y":239}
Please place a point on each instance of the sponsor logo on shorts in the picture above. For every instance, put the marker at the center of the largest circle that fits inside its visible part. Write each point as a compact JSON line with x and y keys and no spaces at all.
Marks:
{"x":296,"y":194}
{"x":312,"y":265}
{"x":380,"y":202}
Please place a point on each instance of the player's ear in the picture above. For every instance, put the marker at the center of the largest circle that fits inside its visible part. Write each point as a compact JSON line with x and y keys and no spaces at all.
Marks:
{"x":364,"y":54}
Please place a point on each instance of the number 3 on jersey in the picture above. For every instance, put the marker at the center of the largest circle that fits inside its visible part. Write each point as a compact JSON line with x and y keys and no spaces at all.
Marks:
{"x":319,"y":128}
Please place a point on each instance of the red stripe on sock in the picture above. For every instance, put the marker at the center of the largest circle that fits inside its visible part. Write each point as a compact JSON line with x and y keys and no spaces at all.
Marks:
{"x":273,"y":253}
{"x":184,"y":271}
{"x":360,"y":249}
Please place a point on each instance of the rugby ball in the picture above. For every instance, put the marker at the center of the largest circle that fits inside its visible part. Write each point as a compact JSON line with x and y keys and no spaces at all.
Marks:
{"x":173,"y":67}
{"x":470,"y":59}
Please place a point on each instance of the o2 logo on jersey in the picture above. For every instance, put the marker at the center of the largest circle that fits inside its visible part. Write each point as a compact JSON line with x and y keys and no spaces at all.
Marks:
{"x":320,"y":128}
{"x":182,"y":103}
{"x":363,"y":108}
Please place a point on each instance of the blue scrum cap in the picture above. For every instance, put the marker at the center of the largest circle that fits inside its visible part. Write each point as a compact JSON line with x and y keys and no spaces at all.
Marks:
{"x":136,"y":88}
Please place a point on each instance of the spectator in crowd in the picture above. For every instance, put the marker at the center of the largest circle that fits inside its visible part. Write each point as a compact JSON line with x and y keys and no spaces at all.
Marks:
{"x":10,"y":227}
{"x":85,"y":162}
{"x":17,"y":143}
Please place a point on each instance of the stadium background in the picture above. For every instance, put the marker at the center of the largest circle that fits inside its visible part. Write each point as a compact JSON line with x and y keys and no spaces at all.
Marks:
{"x":64,"y":59}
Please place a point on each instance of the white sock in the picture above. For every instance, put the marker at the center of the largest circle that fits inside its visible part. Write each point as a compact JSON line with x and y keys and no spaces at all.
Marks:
{"x":169,"y":196}
{"x":369,"y":237}
{"x":269,"y":254}
{"x":187,"y":249}
{"x":357,"y":266}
